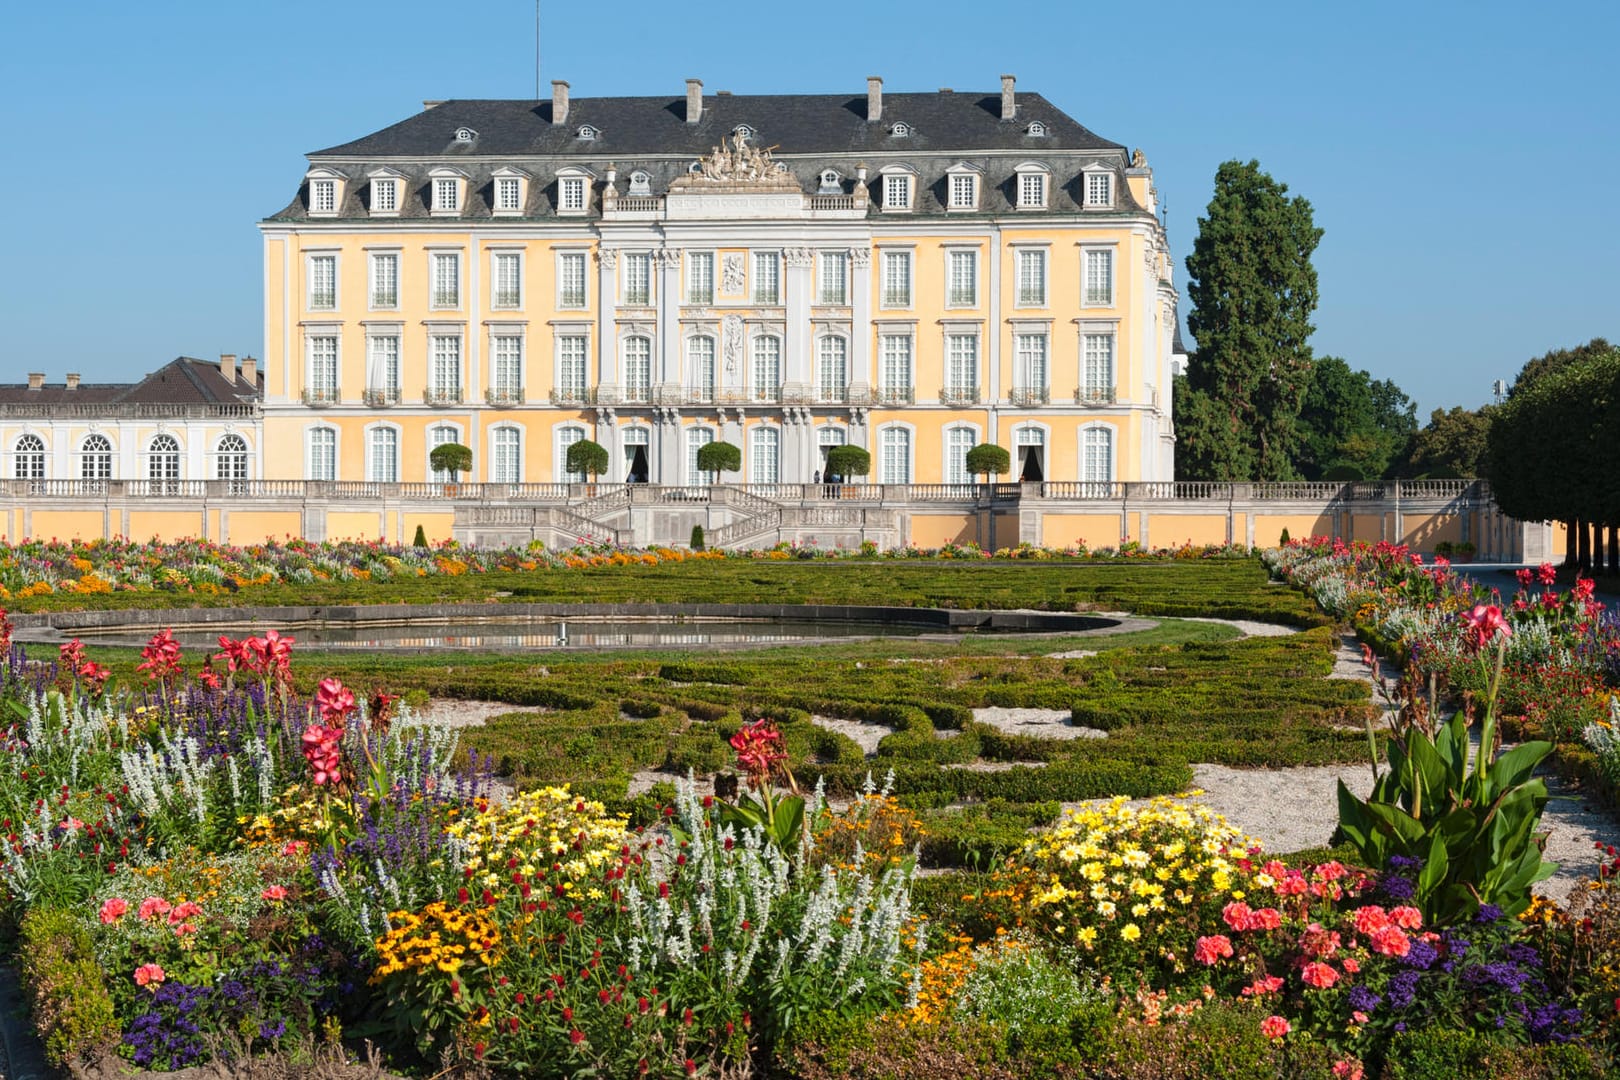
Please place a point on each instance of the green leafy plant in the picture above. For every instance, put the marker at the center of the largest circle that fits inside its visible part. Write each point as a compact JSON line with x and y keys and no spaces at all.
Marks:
{"x":781,"y":818}
{"x":848,"y":461}
{"x":1472,"y":823}
{"x":452,"y":458}
{"x":989,"y":460}
{"x":72,"y":1010}
{"x":586,"y":456}
{"x":719,"y":457}
{"x":696,"y":542}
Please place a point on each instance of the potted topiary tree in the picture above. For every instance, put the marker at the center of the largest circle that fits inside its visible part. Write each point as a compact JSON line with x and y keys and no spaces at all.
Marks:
{"x":844,"y":462}
{"x":454,"y":459}
{"x":988,"y":459}
{"x":587,"y":457}
{"x":719,"y":457}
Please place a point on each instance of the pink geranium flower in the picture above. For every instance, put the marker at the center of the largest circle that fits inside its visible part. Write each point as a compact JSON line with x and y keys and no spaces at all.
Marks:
{"x":1274,"y":1027}
{"x":274,"y":893}
{"x":1408,"y":918}
{"x":113,"y":909}
{"x":1209,"y":950}
{"x":152,"y":905}
{"x":1319,"y":975}
{"x":149,"y":974}
{"x":184,"y":911}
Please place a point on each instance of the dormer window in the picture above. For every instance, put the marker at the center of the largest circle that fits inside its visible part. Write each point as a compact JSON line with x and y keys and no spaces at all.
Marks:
{"x":446,"y":190}
{"x":1032,"y":178}
{"x":508,"y":187}
{"x":465,"y":134}
{"x":384,"y":195}
{"x":900,"y":130}
{"x":898,"y":185}
{"x":1036,"y":130}
{"x":587,"y":132}
{"x":962,"y":187}
{"x":1099,"y":188}
{"x":573,"y":191}
{"x":742,"y":131}
{"x":325,"y":192}
{"x":830,"y":183}
{"x":640,"y":183}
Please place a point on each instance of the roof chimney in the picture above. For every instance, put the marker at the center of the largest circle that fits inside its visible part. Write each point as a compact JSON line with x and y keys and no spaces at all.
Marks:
{"x":1009,"y":106}
{"x":559,"y":101}
{"x":426,"y":105}
{"x":36,"y":380}
{"x":250,"y":371}
{"x":874,"y":98}
{"x":73,"y":380}
{"x":694,"y":100}
{"x":227,"y":366}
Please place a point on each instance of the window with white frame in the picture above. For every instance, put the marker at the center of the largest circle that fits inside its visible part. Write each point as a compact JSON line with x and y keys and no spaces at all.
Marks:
{"x":322,"y":282}
{"x":323,"y":196}
{"x":322,"y":454}
{"x":962,"y":366}
{"x":897,"y":191}
{"x":163,"y":461}
{"x":696,"y":439}
{"x":446,"y":279}
{"x":767,"y":277}
{"x":832,"y":364}
{"x":571,"y":194}
{"x":566,"y":437}
{"x":897,"y":279}
{"x":894,"y":450}
{"x":444,"y":351}
{"x":572,"y":366}
{"x":28,"y":460}
{"x":1099,"y":189}
{"x":896,"y":352}
{"x":640,"y":183}
{"x":1031,"y":277}
{"x":385,"y":279}
{"x":508,"y":194}
{"x":964,"y":278}
{"x":964,"y":191}
{"x":323,"y":367}
{"x":507,"y":360}
{"x":1097,"y":454}
{"x":506,"y":456}
{"x":1031,"y":359}
{"x":958,"y":441}
{"x":637,"y":368}
{"x":1099,"y":286}
{"x":95,"y":458}
{"x":767,"y":368}
{"x":231,"y":461}
{"x":1031,"y":190}
{"x":382,"y":455}
{"x":441,"y":435}
{"x":700,"y":366}
{"x":764,"y":455}
{"x":382,"y":365}
{"x":571,"y":279}
{"x":508,"y":279}
{"x":385,"y":195}
{"x":835,"y":277}
{"x":638,"y":277}
{"x":1098,"y":367}
{"x":700,"y":277}
{"x":446,"y":195}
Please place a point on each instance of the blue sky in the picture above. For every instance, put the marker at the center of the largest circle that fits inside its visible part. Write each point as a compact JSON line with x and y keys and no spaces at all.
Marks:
{"x":1463,"y":158}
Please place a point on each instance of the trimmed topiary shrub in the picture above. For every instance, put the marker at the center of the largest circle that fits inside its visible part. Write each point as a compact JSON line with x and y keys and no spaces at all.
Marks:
{"x":73,"y":1012}
{"x":696,"y":543}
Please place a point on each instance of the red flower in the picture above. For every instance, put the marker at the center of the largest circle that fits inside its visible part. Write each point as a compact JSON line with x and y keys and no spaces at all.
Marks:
{"x":759,"y":748}
{"x":161,"y":656}
{"x":1319,"y":975}
{"x":335,"y":701}
{"x":1209,"y":950}
{"x":1484,"y":623}
{"x":576,"y":1036}
{"x":1274,"y":1027}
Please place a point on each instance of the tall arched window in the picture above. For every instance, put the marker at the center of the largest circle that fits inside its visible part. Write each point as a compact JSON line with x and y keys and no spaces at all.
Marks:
{"x":506,"y":453}
{"x":163,"y":464}
{"x":637,"y":443}
{"x":566,"y":437}
{"x":700,"y":367}
{"x":697,"y":438}
{"x":895,"y":450}
{"x":833,"y":365}
{"x":958,"y":441}
{"x":827,"y":438}
{"x":322,"y":454}
{"x":765,"y":456}
{"x":1029,"y":454}
{"x":637,"y":369}
{"x":231,"y":462}
{"x":29,"y":461}
{"x":382,"y":455}
{"x":95,"y":461}
{"x":767,"y":368}
{"x":440,"y":435}
{"x":1097,"y":454}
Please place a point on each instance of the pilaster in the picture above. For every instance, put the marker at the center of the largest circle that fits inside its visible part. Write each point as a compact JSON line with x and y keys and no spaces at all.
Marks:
{"x":797,"y":295}
{"x":668,"y":371}
{"x":860,"y":283}
{"x":607,"y":294}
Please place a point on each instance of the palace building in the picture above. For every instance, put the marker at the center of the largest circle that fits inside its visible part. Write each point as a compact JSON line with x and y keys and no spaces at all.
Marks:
{"x":913,"y":273}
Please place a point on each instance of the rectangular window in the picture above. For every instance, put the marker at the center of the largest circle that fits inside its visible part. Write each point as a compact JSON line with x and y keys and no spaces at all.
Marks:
{"x":507,"y":466}
{"x":323,"y":367}
{"x":1099,"y":277}
{"x":382,"y":361}
{"x":571,"y":279}
{"x":958,"y":441}
{"x":508,"y":279}
{"x":896,"y":455}
{"x":1099,"y":189}
{"x":638,"y":277}
{"x":897,"y":376}
{"x":897,"y":192}
{"x":323,"y":196}
{"x":571,"y":366}
{"x":384,"y":454}
{"x":446,"y":195}
{"x":767,"y":368}
{"x":834,"y":277}
{"x":508,"y":363}
{"x":384,"y":279}
{"x":384,"y":196}
{"x":637,"y":369}
{"x":700,"y":367}
{"x":700,"y":277}
{"x":964,"y":278}
{"x":322,"y":282}
{"x":1031,"y":360}
{"x":834,"y":369}
{"x":507,"y":190}
{"x":323,"y":454}
{"x":571,"y":194}
{"x":1031,"y":189}
{"x":897,"y":279}
{"x":1098,"y":362}
{"x":962,"y":366}
{"x":767,"y":277}
{"x":1031,"y":278}
{"x":964,"y":192}
{"x":446,"y":370}
{"x":446,"y":279}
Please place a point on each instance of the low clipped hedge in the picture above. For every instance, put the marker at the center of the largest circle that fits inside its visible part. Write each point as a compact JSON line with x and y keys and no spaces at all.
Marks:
{"x":72,"y":1009}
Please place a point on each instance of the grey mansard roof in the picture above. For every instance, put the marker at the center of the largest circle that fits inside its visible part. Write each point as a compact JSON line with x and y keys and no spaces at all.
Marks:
{"x":184,"y":380}
{"x":808,"y":132}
